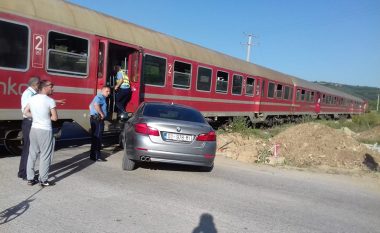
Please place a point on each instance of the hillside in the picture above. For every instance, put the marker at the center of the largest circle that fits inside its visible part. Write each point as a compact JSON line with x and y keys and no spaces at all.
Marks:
{"x":368,"y":93}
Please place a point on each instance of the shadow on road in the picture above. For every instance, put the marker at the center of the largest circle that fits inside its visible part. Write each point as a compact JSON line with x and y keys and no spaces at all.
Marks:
{"x":206,"y":224}
{"x":68,"y":167}
{"x":169,"y":167}
{"x":16,"y":211}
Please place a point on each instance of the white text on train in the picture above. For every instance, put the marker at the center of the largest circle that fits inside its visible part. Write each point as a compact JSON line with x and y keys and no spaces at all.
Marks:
{"x":9,"y":88}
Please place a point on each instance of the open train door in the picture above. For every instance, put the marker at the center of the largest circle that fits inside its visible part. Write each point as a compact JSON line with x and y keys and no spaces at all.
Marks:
{"x":318,"y":103}
{"x":134,"y":79}
{"x":129,"y":58}
{"x":102,"y":64}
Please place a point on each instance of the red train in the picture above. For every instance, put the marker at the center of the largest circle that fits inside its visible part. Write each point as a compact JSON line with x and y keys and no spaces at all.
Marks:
{"x":76,"y":48}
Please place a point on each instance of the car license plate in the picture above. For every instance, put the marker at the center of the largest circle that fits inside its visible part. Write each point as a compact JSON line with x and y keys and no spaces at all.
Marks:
{"x":178,"y":137}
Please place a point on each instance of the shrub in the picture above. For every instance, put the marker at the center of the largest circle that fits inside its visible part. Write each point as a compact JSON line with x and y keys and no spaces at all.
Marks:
{"x":366,"y":121}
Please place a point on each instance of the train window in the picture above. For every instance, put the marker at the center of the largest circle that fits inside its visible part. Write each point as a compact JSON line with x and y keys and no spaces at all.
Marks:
{"x":312,"y":97}
{"x":270,"y":93}
{"x":250,"y":86}
{"x":262,"y":88}
{"x":204,"y":79}
{"x":182,"y":75}
{"x":14,"y":40}
{"x":328,"y":101}
{"x":307,"y":96}
{"x":258,"y":87}
{"x":100,"y":60}
{"x":279,"y":91}
{"x":303,"y":93}
{"x":237,"y":84}
{"x":67,"y":54}
{"x":324,"y":98}
{"x":334,"y":101}
{"x":154,"y":70}
{"x":287,"y":93}
{"x":298,"y":94}
{"x":222,"y":82}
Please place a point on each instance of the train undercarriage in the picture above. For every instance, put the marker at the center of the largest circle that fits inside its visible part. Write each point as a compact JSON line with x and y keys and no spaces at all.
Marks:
{"x":259,"y":120}
{"x":11,"y":133}
{"x":11,"y":137}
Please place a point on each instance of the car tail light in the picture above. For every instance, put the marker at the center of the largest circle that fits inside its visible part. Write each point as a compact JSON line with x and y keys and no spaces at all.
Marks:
{"x":143,"y":128}
{"x":210,"y":136}
{"x":209,"y":156}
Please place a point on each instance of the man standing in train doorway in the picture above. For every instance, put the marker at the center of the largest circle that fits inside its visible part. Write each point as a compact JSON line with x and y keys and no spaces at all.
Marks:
{"x":122,"y":89}
{"x":98,"y":113}
{"x":26,"y":124}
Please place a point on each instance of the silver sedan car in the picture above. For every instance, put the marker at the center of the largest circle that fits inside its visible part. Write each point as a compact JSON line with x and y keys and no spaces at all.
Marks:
{"x":168,"y":133}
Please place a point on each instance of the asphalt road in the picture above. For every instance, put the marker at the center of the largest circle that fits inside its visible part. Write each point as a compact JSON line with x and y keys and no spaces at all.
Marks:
{"x":234,"y":197}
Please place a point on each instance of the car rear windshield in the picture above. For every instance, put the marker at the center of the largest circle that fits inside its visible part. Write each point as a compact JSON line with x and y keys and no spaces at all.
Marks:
{"x":173,"y":112}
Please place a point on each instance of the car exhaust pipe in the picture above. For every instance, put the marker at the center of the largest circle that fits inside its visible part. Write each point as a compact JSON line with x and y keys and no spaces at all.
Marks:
{"x":145,"y":158}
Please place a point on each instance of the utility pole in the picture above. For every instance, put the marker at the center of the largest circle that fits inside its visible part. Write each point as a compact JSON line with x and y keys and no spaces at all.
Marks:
{"x":249,"y":44}
{"x":378,"y":98}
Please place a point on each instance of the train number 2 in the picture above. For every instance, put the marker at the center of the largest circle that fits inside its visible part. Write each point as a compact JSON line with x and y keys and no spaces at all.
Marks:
{"x":38,"y":51}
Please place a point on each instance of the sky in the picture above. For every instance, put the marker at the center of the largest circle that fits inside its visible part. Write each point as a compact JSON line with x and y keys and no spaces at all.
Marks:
{"x":325,"y":40}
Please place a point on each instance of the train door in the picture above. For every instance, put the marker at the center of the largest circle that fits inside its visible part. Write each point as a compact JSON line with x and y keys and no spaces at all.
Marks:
{"x":318,"y":103}
{"x":129,"y":59}
{"x":351,"y":107}
{"x":260,"y":91}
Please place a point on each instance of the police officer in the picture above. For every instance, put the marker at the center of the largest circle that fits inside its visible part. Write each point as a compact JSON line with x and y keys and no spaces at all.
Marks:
{"x":98,"y":112}
{"x":26,"y":124}
{"x":122,"y":89}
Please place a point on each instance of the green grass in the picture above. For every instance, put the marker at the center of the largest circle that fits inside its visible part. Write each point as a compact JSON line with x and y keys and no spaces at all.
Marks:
{"x":240,"y":125}
{"x":358,"y":123}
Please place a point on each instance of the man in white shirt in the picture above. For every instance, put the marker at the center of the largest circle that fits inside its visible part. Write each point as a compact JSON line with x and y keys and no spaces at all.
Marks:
{"x":43,"y":110}
{"x":26,"y":124}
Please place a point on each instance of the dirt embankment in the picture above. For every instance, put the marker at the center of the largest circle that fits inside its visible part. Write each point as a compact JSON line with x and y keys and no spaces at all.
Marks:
{"x":369,"y":135}
{"x":304,"y":145}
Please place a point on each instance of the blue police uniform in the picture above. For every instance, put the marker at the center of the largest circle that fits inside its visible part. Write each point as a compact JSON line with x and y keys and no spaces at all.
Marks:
{"x":97,"y":126}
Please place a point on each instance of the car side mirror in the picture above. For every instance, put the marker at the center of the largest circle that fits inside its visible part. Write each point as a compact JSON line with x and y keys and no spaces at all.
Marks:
{"x":125,"y":116}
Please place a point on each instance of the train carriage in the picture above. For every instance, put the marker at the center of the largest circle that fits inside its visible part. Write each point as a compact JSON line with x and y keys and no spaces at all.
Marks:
{"x":76,"y":48}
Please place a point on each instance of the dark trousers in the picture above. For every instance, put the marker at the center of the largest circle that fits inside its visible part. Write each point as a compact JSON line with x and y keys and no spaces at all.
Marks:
{"x":26,"y":125}
{"x":97,"y":128}
{"x":123,"y":95}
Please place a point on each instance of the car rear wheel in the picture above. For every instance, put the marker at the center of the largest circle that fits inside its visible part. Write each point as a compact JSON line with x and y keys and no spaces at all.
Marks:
{"x":128,"y":164}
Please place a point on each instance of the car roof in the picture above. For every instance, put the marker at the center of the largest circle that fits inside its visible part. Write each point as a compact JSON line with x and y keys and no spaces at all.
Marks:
{"x":170,"y":104}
